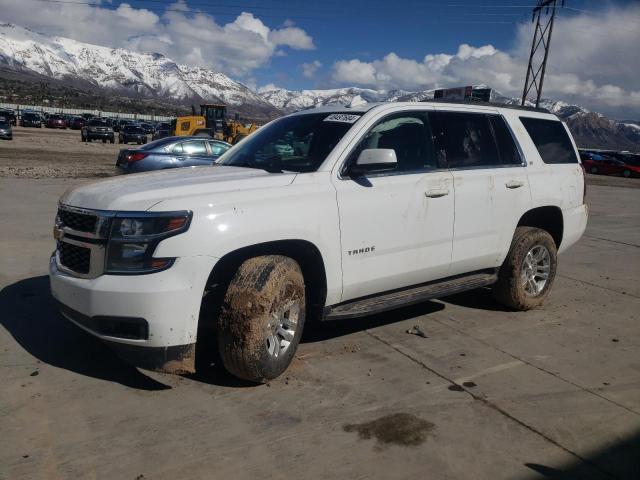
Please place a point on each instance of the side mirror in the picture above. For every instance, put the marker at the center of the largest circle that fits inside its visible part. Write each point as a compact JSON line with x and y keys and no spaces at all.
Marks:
{"x":375,"y":159}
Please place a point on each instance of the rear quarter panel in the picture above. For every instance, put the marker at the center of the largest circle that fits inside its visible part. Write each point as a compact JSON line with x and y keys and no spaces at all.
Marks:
{"x":559,"y":185}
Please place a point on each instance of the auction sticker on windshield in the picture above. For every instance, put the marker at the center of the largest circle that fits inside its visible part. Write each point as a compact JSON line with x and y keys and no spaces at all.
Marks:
{"x":342,"y":117}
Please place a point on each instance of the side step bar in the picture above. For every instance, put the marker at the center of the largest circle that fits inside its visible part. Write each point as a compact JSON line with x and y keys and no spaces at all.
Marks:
{"x":410,"y":295}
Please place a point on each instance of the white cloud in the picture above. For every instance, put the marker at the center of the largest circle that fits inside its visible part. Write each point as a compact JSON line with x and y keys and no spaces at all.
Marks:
{"x":594,"y":61}
{"x":309,"y":69}
{"x":293,"y":37}
{"x":236,"y":48}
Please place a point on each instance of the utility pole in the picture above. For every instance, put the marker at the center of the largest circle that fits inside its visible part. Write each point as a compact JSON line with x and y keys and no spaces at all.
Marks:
{"x":541,"y":39}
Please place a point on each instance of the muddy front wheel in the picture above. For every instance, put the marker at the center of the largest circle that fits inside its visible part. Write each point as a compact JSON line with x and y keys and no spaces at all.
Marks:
{"x":262,"y":317}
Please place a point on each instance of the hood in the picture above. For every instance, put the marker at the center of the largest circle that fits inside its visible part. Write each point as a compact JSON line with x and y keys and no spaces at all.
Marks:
{"x":139,"y":192}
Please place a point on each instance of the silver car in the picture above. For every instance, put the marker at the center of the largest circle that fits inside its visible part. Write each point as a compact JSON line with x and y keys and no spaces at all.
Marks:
{"x":171,"y":152}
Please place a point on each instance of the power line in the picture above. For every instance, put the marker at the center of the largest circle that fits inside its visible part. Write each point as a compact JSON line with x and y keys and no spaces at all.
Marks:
{"x":260,"y":15}
{"x":288,"y":15}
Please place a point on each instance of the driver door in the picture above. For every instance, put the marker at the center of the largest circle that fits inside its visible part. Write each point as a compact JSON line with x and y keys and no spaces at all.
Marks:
{"x":396,"y":226}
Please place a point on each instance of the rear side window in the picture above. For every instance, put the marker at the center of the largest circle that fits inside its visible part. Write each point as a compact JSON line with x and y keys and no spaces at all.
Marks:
{"x":191,"y":147}
{"x":551,"y":140}
{"x":218,"y":148}
{"x":506,"y":145}
{"x":465,"y":140}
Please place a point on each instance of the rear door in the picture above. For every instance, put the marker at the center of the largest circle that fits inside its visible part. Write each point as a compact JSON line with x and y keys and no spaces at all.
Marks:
{"x":396,"y":226}
{"x":490,"y":184}
{"x":191,"y":153}
{"x":217,"y":148}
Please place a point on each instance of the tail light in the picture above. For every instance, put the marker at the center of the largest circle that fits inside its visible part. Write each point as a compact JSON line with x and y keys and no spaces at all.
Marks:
{"x":136,"y":156}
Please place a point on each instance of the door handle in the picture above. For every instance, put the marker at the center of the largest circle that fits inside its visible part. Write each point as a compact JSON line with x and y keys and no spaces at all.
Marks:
{"x":437,"y":193}
{"x":181,"y":159}
{"x":514,"y":184}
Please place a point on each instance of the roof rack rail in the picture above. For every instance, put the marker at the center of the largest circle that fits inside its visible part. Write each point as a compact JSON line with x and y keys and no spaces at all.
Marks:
{"x":486,"y":104}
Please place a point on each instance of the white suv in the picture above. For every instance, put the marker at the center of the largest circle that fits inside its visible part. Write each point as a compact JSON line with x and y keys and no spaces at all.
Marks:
{"x":325,"y":214}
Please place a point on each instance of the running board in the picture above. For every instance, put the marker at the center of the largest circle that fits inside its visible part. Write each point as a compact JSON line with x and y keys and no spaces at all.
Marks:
{"x":409,"y":296}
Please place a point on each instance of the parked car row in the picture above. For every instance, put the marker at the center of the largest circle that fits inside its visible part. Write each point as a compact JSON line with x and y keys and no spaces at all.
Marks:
{"x":603,"y":162}
{"x":32,"y":118}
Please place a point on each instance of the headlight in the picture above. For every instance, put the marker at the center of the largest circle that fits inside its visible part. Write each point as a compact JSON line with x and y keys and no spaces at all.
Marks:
{"x":133,"y":240}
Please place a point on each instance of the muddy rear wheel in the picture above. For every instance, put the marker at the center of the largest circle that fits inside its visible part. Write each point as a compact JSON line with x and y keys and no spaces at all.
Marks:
{"x":262,"y":318}
{"x":526,"y":276}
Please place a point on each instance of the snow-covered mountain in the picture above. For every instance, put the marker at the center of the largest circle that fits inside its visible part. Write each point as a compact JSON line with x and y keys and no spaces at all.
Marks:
{"x":293,"y":100}
{"x":145,"y":75}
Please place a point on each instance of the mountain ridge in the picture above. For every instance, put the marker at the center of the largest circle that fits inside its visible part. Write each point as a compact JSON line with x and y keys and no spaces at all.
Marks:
{"x":155,"y":81}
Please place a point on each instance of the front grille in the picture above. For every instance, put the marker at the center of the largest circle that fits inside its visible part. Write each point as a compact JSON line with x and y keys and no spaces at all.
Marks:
{"x":80,"y":222}
{"x":74,"y":257}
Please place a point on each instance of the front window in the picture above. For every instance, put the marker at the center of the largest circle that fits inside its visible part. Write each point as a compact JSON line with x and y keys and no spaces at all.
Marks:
{"x":298,"y":143}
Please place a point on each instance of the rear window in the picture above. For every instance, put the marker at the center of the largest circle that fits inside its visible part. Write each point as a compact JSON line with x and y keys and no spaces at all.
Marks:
{"x":551,"y":140}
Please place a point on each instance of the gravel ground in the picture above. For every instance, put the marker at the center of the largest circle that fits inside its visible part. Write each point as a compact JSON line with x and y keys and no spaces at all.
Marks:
{"x":45,"y":153}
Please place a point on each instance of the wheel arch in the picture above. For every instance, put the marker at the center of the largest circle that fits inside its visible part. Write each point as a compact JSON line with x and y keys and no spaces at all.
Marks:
{"x":548,"y":218}
{"x":304,"y":252}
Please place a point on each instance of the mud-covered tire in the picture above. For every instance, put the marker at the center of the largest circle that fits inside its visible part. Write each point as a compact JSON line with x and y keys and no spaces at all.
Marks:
{"x":511,"y":288}
{"x":263,"y":309}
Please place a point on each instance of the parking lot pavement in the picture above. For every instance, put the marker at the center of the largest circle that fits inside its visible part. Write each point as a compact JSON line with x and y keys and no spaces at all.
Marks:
{"x":488,"y":394}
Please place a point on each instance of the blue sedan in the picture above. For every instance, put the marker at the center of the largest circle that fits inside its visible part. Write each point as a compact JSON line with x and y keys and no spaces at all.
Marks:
{"x":171,"y":152}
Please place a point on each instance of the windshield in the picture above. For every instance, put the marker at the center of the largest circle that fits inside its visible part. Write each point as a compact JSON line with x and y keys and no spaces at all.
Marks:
{"x":298,"y":143}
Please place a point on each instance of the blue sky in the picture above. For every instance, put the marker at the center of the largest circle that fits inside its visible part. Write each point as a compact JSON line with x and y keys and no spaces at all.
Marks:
{"x":369,"y":29}
{"x":406,"y":44}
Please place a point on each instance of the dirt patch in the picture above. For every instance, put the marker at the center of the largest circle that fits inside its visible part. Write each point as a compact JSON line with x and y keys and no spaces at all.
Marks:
{"x":47,"y":153}
{"x":402,"y":429}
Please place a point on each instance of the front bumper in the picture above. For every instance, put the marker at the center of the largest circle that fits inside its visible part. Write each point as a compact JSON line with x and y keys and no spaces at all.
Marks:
{"x":100,"y":135}
{"x":151,"y":320}
{"x":6,"y":135}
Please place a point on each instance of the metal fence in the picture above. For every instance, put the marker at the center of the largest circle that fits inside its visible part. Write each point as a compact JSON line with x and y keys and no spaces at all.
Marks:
{"x":19,"y":108}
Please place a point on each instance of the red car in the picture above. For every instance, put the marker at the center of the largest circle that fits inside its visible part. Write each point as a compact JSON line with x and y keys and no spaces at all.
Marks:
{"x":77,"y":123}
{"x":601,"y":165}
{"x":56,"y":121}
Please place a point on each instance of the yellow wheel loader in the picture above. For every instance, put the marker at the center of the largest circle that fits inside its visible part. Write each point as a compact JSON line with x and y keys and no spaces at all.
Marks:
{"x":212,"y":122}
